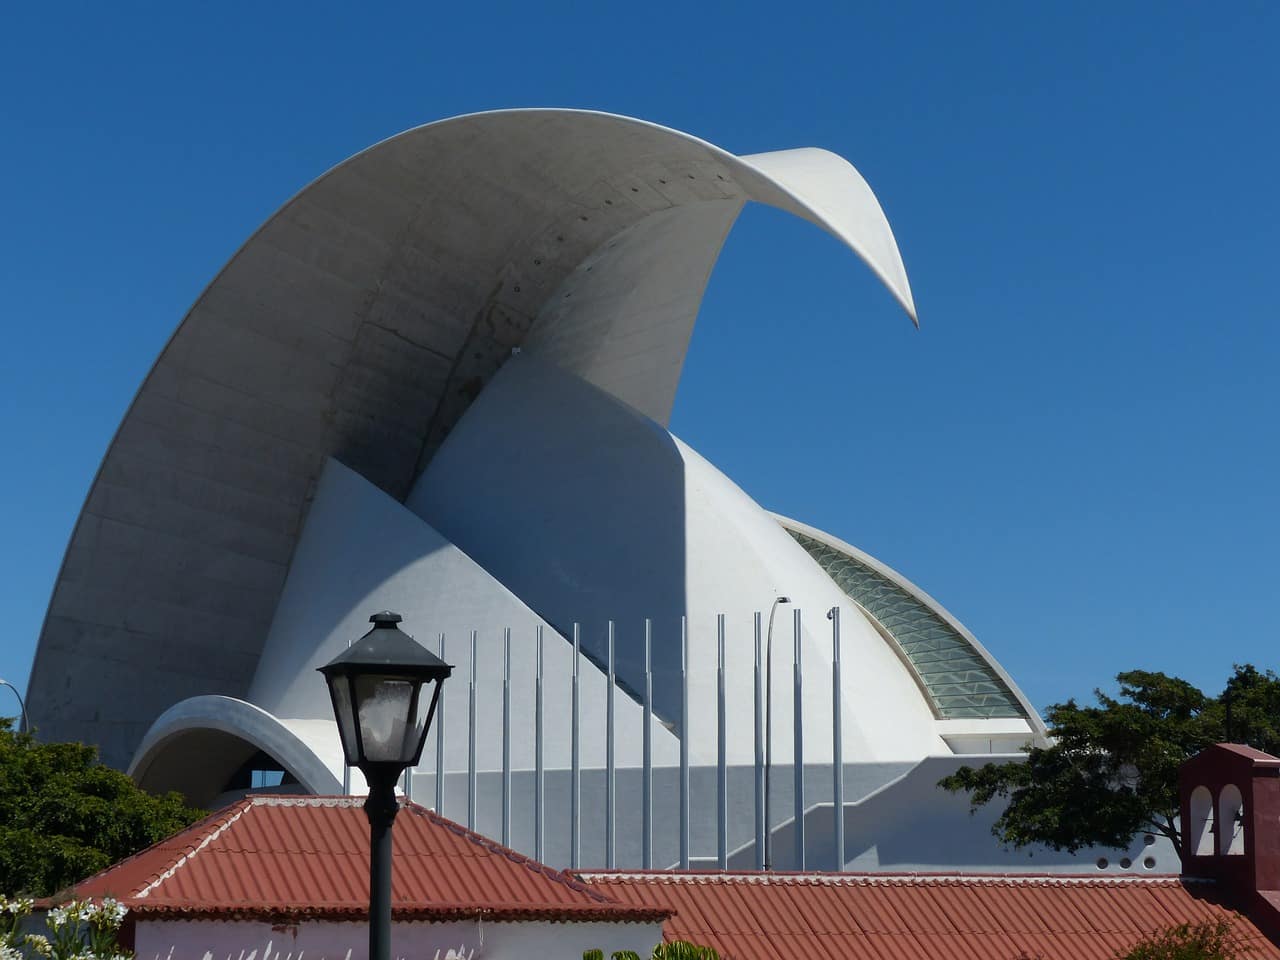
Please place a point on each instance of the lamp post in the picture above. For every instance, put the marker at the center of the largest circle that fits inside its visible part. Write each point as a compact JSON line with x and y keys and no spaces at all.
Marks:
{"x":25,"y":725}
{"x":768,"y":734}
{"x":377,"y":690}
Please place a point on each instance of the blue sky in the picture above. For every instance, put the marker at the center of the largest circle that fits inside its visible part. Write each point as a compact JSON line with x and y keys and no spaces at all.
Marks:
{"x":1077,"y":452}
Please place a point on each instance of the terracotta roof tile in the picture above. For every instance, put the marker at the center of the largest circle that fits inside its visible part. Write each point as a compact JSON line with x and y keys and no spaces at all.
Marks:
{"x":292,"y":856}
{"x":752,"y":916}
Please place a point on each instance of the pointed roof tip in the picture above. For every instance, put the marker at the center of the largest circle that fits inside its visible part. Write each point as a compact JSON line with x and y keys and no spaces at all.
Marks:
{"x":908,"y":305}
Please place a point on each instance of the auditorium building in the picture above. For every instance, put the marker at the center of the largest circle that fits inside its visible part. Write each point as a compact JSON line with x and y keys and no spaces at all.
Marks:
{"x":439,"y":381}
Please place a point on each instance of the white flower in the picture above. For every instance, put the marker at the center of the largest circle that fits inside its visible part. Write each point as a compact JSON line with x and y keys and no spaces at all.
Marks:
{"x":19,"y":907}
{"x":39,"y":944}
{"x":112,"y":910}
{"x":73,"y":911}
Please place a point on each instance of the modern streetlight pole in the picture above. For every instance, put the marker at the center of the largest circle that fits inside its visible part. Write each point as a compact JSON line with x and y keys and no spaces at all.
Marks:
{"x":24,"y":723}
{"x":768,"y":734}
{"x":376,"y":686}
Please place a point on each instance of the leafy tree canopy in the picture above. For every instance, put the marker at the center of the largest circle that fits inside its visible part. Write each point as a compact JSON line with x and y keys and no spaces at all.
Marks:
{"x":1210,"y":940}
{"x":1110,"y":771}
{"x":64,"y":815}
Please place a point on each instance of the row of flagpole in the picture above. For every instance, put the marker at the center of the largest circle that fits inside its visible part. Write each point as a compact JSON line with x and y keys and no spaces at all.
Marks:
{"x":761,"y":828}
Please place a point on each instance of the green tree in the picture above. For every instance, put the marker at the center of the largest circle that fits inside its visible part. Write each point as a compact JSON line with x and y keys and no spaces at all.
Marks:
{"x":1209,"y":940}
{"x":1251,"y":708}
{"x":1110,"y":771}
{"x":64,"y":815}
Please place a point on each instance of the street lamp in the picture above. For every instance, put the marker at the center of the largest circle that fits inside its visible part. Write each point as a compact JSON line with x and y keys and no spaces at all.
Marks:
{"x":377,"y":689}
{"x":768,"y":734}
{"x":24,"y":725}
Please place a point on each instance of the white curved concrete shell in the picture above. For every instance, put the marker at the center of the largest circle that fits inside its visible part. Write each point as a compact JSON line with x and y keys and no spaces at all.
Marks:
{"x":359,"y":322}
{"x":438,"y":380}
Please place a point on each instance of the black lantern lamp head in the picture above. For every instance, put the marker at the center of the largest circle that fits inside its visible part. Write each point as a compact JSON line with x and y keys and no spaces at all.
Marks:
{"x":385,"y":688}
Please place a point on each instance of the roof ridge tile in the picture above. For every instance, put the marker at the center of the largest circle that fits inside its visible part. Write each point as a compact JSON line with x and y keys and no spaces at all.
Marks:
{"x":153,"y":849}
{"x":303,"y":800}
{"x":190,"y":853}
{"x":598,"y":912}
{"x":877,"y":879}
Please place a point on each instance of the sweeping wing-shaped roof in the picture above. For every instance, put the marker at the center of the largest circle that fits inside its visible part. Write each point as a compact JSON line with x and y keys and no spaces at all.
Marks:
{"x":359,"y":322}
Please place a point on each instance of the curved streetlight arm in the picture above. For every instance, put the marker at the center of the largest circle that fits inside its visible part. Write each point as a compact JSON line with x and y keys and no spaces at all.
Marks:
{"x":24,"y":723}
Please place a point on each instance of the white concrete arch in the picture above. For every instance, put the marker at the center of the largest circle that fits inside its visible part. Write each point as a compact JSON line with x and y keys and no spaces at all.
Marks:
{"x":196,"y":744}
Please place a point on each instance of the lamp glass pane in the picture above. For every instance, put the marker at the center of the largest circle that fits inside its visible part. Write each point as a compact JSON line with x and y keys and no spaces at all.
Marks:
{"x":389,"y":726}
{"x":341,"y":689}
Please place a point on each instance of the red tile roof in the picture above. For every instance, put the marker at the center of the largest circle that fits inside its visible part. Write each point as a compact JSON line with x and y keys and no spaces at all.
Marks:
{"x":1249,"y":753}
{"x":286,"y":857}
{"x":755,"y":916}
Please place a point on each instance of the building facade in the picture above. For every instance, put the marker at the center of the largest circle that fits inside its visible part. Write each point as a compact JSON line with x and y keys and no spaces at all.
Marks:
{"x":439,"y":381}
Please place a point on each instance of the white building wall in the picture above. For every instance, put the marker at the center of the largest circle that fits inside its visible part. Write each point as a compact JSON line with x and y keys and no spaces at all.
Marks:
{"x":588,"y":510}
{"x":328,"y":940}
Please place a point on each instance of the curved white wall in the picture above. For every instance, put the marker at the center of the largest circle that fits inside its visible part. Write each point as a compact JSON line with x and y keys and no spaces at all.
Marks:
{"x":588,"y":510}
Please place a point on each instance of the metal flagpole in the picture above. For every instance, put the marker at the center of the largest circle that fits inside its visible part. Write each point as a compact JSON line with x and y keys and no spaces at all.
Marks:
{"x":471,"y":739}
{"x":684,"y":744}
{"x":610,"y":796}
{"x":722,"y":766}
{"x":647,"y":785}
{"x":506,"y":737}
{"x":538,"y":780}
{"x":440,"y":742}
{"x":837,"y":738}
{"x":575,"y":763}
{"x":798,"y":703}
{"x":761,"y":827}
